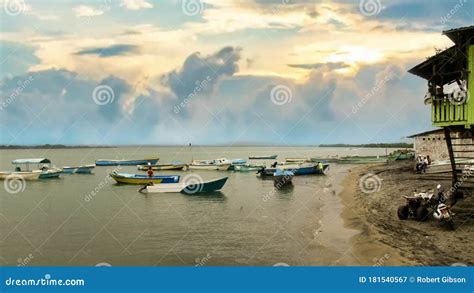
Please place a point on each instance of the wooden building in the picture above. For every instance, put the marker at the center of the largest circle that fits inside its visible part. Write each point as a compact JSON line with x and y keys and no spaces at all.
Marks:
{"x":450,"y":77}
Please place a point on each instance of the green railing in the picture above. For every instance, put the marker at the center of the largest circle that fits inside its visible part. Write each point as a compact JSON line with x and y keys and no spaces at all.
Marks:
{"x":445,"y":113}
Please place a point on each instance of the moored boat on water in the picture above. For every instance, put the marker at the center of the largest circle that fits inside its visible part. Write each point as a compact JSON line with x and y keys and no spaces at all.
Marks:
{"x":105,"y":162}
{"x":84,"y":169}
{"x":266,"y":157}
{"x":158,"y":167}
{"x":282,"y":177}
{"x":297,"y":169}
{"x":187,"y":188}
{"x":217,"y":164}
{"x":127,"y":178}
{"x":42,"y":164}
{"x":236,"y":163}
{"x":248,"y":168}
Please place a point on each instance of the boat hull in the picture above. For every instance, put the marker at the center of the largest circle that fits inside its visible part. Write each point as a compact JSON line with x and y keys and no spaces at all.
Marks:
{"x":297,"y":171}
{"x":222,"y":167}
{"x":190,"y":189}
{"x":78,"y":170}
{"x":50,"y":174}
{"x":125,"y":178}
{"x":263,"y":157}
{"x":162,"y":167}
{"x":125,"y":162}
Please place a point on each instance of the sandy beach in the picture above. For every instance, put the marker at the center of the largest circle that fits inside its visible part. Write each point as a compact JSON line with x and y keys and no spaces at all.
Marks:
{"x":383,"y":239}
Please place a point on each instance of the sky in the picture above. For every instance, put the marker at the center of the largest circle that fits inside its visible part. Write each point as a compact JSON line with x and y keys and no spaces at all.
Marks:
{"x":282,"y":72}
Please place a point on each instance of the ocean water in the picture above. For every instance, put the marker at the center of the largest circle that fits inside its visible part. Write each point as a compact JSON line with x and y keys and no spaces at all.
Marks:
{"x":89,"y":220}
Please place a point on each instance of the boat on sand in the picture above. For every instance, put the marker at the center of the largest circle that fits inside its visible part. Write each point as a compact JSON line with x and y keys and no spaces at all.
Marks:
{"x":266,"y":157}
{"x":217,"y":164}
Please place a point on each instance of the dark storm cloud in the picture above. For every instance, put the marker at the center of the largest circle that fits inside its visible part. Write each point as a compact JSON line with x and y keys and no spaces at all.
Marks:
{"x":115,"y":50}
{"x":197,"y":68}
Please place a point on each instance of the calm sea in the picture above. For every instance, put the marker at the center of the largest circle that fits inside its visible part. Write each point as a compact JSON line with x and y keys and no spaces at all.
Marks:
{"x":89,"y":220}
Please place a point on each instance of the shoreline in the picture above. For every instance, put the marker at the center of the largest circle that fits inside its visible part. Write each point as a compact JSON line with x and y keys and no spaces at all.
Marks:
{"x":383,"y":239}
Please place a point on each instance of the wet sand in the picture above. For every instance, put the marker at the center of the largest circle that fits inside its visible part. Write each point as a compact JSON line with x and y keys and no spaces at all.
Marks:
{"x":383,"y":239}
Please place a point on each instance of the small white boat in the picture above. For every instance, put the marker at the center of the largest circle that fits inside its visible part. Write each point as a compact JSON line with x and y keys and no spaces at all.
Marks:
{"x":217,"y":164}
{"x":33,"y":175}
{"x":187,"y":188}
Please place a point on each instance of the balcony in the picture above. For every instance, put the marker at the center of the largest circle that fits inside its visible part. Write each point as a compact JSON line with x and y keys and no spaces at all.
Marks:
{"x":447,"y":113}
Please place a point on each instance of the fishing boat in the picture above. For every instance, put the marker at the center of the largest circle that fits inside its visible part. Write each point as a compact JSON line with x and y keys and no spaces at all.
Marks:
{"x":31,"y":175}
{"x":191,"y":188}
{"x":127,"y":178}
{"x":235,"y":163}
{"x":267,"y":157}
{"x":297,"y":169}
{"x":217,"y":164}
{"x":297,"y":160}
{"x":362,"y":159}
{"x":103,"y":162}
{"x":84,"y":169}
{"x":41,"y":164}
{"x":401,"y":155}
{"x":158,"y":167}
{"x":248,"y":168}
{"x":282,"y":177}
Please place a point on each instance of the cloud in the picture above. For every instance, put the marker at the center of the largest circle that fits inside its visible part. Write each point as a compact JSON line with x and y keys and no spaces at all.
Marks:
{"x":136,"y":4}
{"x":197,"y":68}
{"x":87,"y":11}
{"x":114,"y":50}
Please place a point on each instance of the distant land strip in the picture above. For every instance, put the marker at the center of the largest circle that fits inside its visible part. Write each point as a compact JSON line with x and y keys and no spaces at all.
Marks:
{"x":61,"y":146}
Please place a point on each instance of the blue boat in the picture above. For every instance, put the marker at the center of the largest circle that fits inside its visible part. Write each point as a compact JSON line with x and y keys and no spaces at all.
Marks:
{"x":299,"y":169}
{"x":127,"y":178}
{"x":85,"y":169}
{"x":187,"y":188}
{"x":103,"y":162}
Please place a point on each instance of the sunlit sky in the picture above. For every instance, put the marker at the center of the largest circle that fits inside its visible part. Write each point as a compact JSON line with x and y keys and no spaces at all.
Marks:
{"x":277,"y":72}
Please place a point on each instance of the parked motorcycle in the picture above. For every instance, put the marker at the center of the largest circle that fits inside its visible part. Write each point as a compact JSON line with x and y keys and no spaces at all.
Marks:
{"x":420,"y":203}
